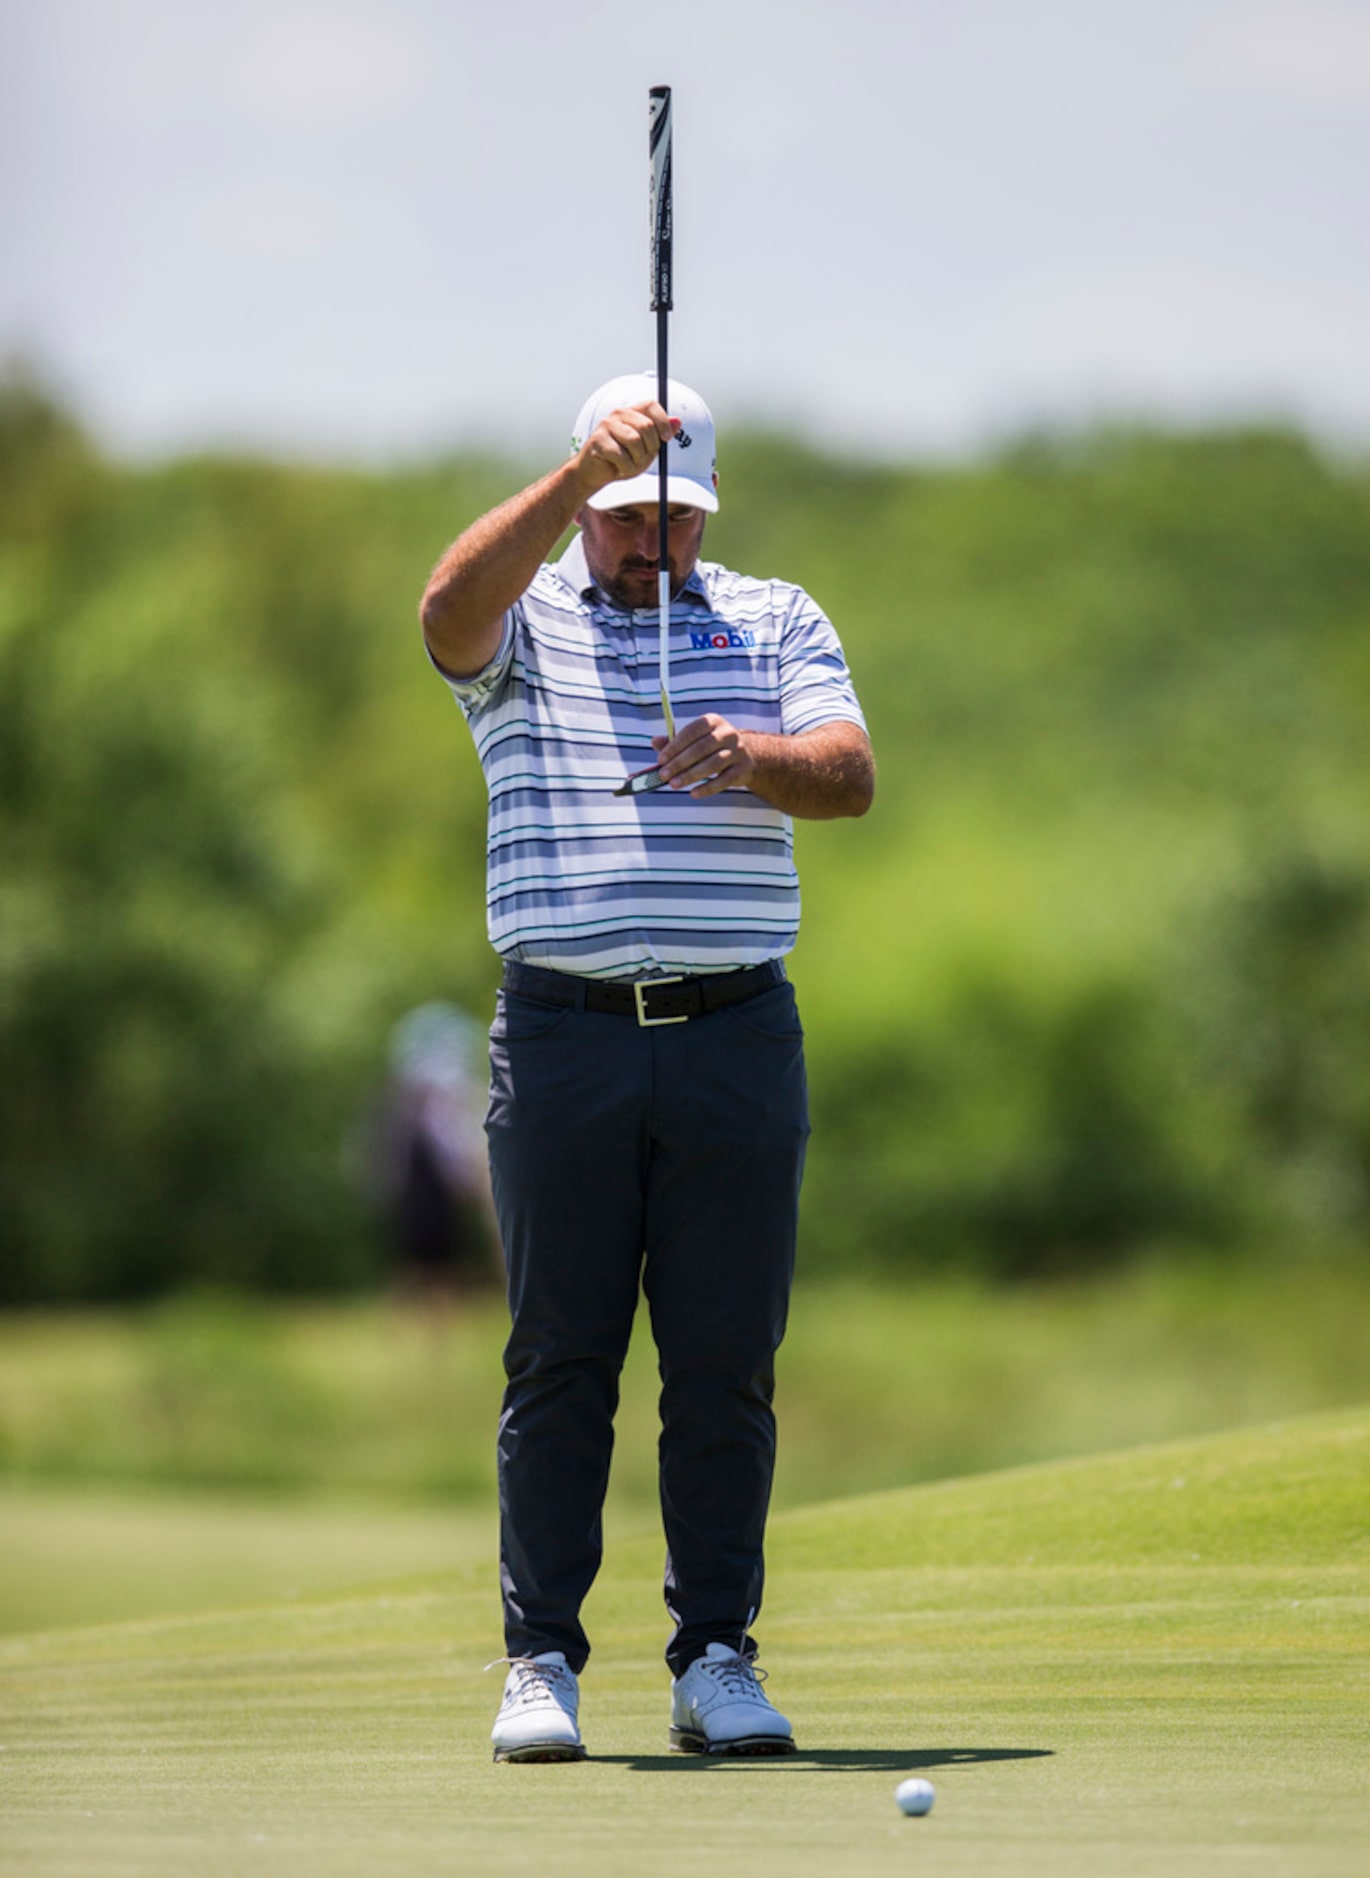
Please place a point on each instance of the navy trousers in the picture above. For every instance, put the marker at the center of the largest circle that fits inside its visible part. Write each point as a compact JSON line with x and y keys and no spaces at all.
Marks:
{"x":668,"y":1158}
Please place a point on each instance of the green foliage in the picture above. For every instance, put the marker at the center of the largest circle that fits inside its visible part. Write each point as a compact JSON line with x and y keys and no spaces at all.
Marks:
{"x":1288,"y":984}
{"x":1091,"y":975}
{"x":217,"y":892}
{"x":880,"y":1383}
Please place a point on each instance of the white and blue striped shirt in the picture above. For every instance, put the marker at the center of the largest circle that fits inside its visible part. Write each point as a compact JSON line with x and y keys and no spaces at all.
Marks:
{"x":609,"y":886}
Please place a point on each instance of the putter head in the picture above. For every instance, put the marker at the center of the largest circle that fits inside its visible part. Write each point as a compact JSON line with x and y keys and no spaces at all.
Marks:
{"x":640,"y":782}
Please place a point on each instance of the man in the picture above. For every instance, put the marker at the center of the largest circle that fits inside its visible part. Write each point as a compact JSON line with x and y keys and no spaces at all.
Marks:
{"x":648,"y":1112}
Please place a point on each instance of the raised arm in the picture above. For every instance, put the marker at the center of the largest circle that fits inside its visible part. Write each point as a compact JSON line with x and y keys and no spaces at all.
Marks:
{"x":818,"y":775}
{"x":489,"y":566}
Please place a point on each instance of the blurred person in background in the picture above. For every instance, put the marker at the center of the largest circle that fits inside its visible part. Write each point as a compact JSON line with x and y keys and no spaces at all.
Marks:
{"x":424,"y":1159}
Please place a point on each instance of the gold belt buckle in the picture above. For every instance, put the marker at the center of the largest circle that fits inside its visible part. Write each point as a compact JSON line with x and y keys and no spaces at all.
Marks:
{"x":641,"y":986}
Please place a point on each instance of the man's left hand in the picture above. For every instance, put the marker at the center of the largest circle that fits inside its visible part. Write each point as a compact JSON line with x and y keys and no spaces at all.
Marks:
{"x":706,"y":757}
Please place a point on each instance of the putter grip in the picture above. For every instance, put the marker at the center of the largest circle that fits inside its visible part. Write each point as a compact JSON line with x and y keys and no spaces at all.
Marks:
{"x":659,"y":197}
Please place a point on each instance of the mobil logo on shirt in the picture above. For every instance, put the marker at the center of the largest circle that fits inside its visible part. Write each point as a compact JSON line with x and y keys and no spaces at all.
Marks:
{"x":735,"y":639}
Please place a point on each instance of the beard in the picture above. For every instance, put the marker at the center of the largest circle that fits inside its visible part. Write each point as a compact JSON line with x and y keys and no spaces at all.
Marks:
{"x":632,"y":581}
{"x":624,"y":574}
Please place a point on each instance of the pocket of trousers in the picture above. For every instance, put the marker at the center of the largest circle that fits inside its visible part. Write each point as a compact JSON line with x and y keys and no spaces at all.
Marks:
{"x":520,"y":1019}
{"x":773,"y":1014}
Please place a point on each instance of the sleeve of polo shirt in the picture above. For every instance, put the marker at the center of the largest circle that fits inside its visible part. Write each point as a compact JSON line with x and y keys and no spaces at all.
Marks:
{"x":474,"y":694}
{"x":815,"y":685}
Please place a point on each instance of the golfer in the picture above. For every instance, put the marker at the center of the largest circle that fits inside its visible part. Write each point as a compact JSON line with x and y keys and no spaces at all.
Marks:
{"x":648,"y":1113}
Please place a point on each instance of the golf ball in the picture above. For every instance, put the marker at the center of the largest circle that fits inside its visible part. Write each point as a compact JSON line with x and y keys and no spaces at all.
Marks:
{"x":915,"y":1796}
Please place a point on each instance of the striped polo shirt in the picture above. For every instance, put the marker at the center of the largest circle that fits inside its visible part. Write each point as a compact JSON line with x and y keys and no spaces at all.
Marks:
{"x":609,"y":886}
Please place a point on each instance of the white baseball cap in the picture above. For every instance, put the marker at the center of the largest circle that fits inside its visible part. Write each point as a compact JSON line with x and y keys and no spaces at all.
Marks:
{"x":691,"y":455}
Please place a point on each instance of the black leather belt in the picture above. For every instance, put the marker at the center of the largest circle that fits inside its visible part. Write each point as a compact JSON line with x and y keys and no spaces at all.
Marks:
{"x":649,"y":1000}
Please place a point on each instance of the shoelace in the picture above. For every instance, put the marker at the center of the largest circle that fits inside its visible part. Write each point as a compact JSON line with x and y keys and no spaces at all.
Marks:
{"x":536,"y":1681}
{"x":736,"y":1676}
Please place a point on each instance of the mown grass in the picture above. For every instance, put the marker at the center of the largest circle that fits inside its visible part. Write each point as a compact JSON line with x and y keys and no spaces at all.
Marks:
{"x":1143,"y":1663}
{"x":81,"y":1555}
{"x":880,"y":1386}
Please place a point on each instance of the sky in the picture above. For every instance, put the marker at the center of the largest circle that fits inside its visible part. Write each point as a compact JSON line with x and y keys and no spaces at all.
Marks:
{"x":343,"y":228}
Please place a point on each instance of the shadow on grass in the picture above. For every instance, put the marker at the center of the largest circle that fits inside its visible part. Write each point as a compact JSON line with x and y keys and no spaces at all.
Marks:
{"x":828,"y":1760}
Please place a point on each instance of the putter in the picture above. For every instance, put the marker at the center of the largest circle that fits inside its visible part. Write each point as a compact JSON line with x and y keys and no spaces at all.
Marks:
{"x":659,"y":206}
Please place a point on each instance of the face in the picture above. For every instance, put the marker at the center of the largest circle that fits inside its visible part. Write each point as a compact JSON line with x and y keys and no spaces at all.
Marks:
{"x":621,"y":549}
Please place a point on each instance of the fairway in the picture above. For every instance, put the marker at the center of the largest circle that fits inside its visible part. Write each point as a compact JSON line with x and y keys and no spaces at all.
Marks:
{"x":1153,"y":1662}
{"x":165,"y":1554}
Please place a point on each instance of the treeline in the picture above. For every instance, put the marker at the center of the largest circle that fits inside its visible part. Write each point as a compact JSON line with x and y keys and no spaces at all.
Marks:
{"x":1094,"y":975}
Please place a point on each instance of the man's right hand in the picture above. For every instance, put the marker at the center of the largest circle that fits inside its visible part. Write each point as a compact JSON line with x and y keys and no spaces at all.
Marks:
{"x":486,"y":569}
{"x":624,"y":445}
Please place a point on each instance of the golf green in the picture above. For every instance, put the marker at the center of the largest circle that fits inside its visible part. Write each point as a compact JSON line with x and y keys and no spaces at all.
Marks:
{"x":1153,"y":1662}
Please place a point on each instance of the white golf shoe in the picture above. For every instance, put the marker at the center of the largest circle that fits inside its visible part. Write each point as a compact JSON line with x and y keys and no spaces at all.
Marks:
{"x":717,"y":1707}
{"x":537,"y":1718}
